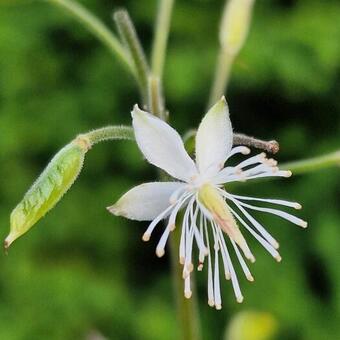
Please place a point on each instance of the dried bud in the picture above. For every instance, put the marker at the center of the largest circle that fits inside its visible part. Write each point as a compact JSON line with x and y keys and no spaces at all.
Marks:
{"x":235,"y":25}
{"x":49,"y":188}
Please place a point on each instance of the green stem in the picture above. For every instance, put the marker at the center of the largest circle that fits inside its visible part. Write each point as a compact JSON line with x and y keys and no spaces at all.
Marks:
{"x":155,"y":98}
{"x":222,"y":75}
{"x":97,"y":28}
{"x":128,"y":34}
{"x":109,"y":133}
{"x":312,"y":164}
{"x":161,"y":36}
{"x":187,"y":309}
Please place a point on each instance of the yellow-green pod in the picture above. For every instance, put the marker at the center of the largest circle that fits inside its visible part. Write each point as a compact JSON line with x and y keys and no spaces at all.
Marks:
{"x":49,"y":188}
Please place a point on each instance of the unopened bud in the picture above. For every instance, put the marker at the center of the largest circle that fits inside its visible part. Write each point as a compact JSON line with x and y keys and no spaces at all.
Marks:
{"x":49,"y":188}
{"x":235,"y":25}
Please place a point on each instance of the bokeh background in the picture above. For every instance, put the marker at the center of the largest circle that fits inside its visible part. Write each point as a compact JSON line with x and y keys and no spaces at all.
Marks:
{"x":82,"y":273}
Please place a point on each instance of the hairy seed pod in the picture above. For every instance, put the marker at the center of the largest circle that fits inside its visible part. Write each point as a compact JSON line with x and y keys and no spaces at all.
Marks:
{"x":52,"y":184}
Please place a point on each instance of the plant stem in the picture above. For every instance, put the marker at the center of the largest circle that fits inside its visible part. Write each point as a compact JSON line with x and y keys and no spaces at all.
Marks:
{"x":109,"y":133}
{"x":129,"y":36}
{"x":98,"y":29}
{"x":187,"y":309}
{"x":222,"y":74}
{"x":155,"y":98}
{"x":312,"y":164}
{"x":271,"y":146}
{"x":161,"y":37}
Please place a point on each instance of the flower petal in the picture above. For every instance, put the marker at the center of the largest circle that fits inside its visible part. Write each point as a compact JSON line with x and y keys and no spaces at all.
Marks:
{"x":214,"y":138}
{"x":146,"y":201}
{"x":162,"y":145}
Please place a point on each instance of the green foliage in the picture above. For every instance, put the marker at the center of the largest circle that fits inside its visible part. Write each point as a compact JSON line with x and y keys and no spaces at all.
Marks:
{"x":86,"y":271}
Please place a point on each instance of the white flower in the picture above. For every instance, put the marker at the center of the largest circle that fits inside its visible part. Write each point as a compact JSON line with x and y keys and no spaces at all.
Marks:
{"x":211,"y":213}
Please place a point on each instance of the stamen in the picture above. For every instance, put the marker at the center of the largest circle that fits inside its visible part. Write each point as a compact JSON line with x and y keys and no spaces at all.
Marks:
{"x":217,"y":289}
{"x":260,"y":158}
{"x":187,"y":289}
{"x":175,"y":195}
{"x":262,"y":241}
{"x":294,"y":205}
{"x":211,"y":301}
{"x":244,"y":266}
{"x":283,"y":214}
{"x":152,"y":225}
{"x":239,"y":149}
{"x":254,"y":222}
{"x":234,"y":281}
{"x":161,"y":244}
{"x":184,"y":232}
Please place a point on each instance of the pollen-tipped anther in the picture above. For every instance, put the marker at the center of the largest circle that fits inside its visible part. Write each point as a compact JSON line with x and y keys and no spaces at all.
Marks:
{"x":160,"y":252}
{"x":146,"y":237}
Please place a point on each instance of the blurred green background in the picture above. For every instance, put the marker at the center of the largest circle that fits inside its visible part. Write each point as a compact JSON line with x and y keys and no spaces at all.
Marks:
{"x":82,"y":273}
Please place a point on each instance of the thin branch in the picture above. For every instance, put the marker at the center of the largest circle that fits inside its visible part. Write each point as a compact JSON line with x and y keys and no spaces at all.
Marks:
{"x":109,"y":133}
{"x":97,"y":28}
{"x":238,"y":139}
{"x":313,"y":164}
{"x":155,"y":98}
{"x":129,"y":36}
{"x":161,"y":36}
{"x":271,"y":146}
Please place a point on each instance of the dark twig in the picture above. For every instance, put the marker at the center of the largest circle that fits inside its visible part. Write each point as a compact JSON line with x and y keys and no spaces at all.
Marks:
{"x":271,"y":146}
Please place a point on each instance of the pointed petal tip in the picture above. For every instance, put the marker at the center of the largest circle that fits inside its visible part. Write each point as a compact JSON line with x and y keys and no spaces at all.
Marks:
{"x":136,"y":111}
{"x":113,"y":209}
{"x":7,"y":242}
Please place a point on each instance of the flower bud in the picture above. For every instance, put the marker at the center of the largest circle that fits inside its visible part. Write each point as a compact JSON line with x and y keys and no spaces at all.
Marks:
{"x":252,"y":325}
{"x":49,"y":188}
{"x":235,"y":25}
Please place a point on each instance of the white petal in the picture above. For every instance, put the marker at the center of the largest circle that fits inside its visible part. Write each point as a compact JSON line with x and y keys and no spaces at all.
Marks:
{"x":146,"y":201}
{"x":161,"y":145}
{"x":214,"y":138}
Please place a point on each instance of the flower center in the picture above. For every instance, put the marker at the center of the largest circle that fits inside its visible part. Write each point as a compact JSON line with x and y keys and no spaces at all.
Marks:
{"x":221,"y":215}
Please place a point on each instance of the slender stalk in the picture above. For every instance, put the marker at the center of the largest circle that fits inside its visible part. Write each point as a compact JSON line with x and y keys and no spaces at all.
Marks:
{"x":109,"y":133}
{"x":313,"y":164}
{"x":129,"y":36}
{"x":187,"y":309}
{"x":224,"y":64}
{"x":155,"y":98}
{"x":271,"y":146}
{"x":97,"y":28}
{"x":161,"y":36}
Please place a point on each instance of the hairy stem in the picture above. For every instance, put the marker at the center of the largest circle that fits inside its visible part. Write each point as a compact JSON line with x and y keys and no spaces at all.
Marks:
{"x":129,"y":36}
{"x":109,"y":133}
{"x":313,"y":164}
{"x":161,"y":37}
{"x":97,"y":28}
{"x":271,"y":146}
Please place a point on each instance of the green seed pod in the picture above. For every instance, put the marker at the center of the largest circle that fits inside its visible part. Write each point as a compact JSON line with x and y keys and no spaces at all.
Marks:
{"x":49,"y":188}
